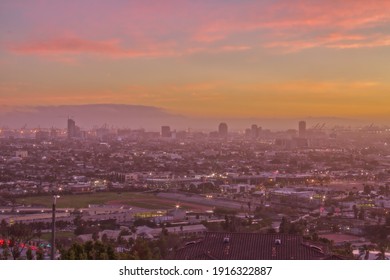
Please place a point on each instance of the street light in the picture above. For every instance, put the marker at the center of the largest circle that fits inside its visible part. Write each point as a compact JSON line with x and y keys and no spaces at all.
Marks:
{"x":53,"y":226}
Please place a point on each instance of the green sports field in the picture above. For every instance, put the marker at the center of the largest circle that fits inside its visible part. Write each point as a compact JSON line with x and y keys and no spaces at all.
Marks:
{"x":142,"y":200}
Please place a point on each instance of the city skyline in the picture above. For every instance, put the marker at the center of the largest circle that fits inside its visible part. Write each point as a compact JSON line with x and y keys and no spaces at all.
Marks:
{"x":199,"y":59}
{"x":122,"y":116}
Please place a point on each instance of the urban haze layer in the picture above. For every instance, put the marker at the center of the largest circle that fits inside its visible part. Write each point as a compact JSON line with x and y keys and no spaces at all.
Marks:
{"x":309,"y":192}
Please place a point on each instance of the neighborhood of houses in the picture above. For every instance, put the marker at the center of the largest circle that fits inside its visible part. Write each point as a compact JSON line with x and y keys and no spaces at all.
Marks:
{"x":294,"y":194}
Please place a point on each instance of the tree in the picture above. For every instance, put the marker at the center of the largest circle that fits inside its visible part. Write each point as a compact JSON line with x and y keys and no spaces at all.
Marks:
{"x":39,"y":254}
{"x":6,"y":252}
{"x":230,"y":224}
{"x":29,"y":254}
{"x":95,"y":236}
{"x":381,"y":255}
{"x":104,"y":238}
{"x":284,"y":225}
{"x":141,"y":250}
{"x":89,"y":251}
{"x":78,"y":221}
{"x":367,"y":189}
{"x":18,"y":235}
{"x":75,"y":252}
{"x":346,"y":250}
{"x":297,"y":227}
{"x":167,"y":243}
{"x":3,"y":227}
{"x":15,"y":251}
{"x":364,"y":251}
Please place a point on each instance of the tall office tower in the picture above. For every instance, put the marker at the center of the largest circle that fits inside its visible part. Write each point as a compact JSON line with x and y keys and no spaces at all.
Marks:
{"x":302,"y":128}
{"x":254,"y":131}
{"x":166,"y":131}
{"x":71,"y":128}
{"x":223,"y":130}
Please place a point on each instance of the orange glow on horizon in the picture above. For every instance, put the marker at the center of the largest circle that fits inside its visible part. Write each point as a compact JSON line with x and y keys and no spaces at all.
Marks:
{"x":234,"y":59}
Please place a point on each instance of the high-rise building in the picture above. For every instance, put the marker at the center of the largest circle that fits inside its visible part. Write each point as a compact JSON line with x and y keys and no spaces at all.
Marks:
{"x":223,"y":130}
{"x":71,"y":128}
{"x":254,"y":131}
{"x":302,"y":128}
{"x":166,"y":131}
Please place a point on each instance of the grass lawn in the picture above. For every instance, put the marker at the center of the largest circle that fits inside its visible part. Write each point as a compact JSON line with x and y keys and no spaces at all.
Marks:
{"x":143,"y":200}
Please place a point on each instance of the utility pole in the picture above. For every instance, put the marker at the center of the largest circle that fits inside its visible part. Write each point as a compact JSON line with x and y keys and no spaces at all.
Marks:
{"x":53,"y":226}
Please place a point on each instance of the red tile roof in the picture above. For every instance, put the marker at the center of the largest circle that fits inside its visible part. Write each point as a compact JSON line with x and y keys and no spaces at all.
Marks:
{"x":250,"y":246}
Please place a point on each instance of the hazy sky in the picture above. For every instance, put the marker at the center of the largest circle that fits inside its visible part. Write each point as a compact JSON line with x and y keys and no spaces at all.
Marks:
{"x":230,"y":58}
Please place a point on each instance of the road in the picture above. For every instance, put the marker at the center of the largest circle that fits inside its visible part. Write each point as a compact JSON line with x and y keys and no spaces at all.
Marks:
{"x":194,"y":198}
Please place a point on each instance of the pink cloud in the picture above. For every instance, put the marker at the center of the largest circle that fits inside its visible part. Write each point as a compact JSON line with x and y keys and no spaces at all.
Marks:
{"x":331,"y":41}
{"x":295,"y":26}
{"x":68,"y":45}
{"x":74,"y":45}
{"x":235,"y":48}
{"x":177,"y":28}
{"x":65,"y":49}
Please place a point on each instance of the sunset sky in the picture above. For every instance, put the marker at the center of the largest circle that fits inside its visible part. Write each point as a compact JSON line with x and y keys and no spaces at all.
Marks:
{"x":231,"y":58}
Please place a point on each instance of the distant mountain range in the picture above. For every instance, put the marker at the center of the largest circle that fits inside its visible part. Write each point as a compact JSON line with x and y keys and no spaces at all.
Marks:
{"x":137,"y":116}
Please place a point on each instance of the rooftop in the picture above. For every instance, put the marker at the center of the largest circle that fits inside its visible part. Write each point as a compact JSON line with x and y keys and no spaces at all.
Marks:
{"x":250,"y":246}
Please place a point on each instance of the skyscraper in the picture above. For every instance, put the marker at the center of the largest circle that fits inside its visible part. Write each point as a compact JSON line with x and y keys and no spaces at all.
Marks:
{"x":223,"y":130}
{"x":254,"y":131}
{"x":166,"y":131}
{"x":71,"y":128}
{"x":302,"y":128}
